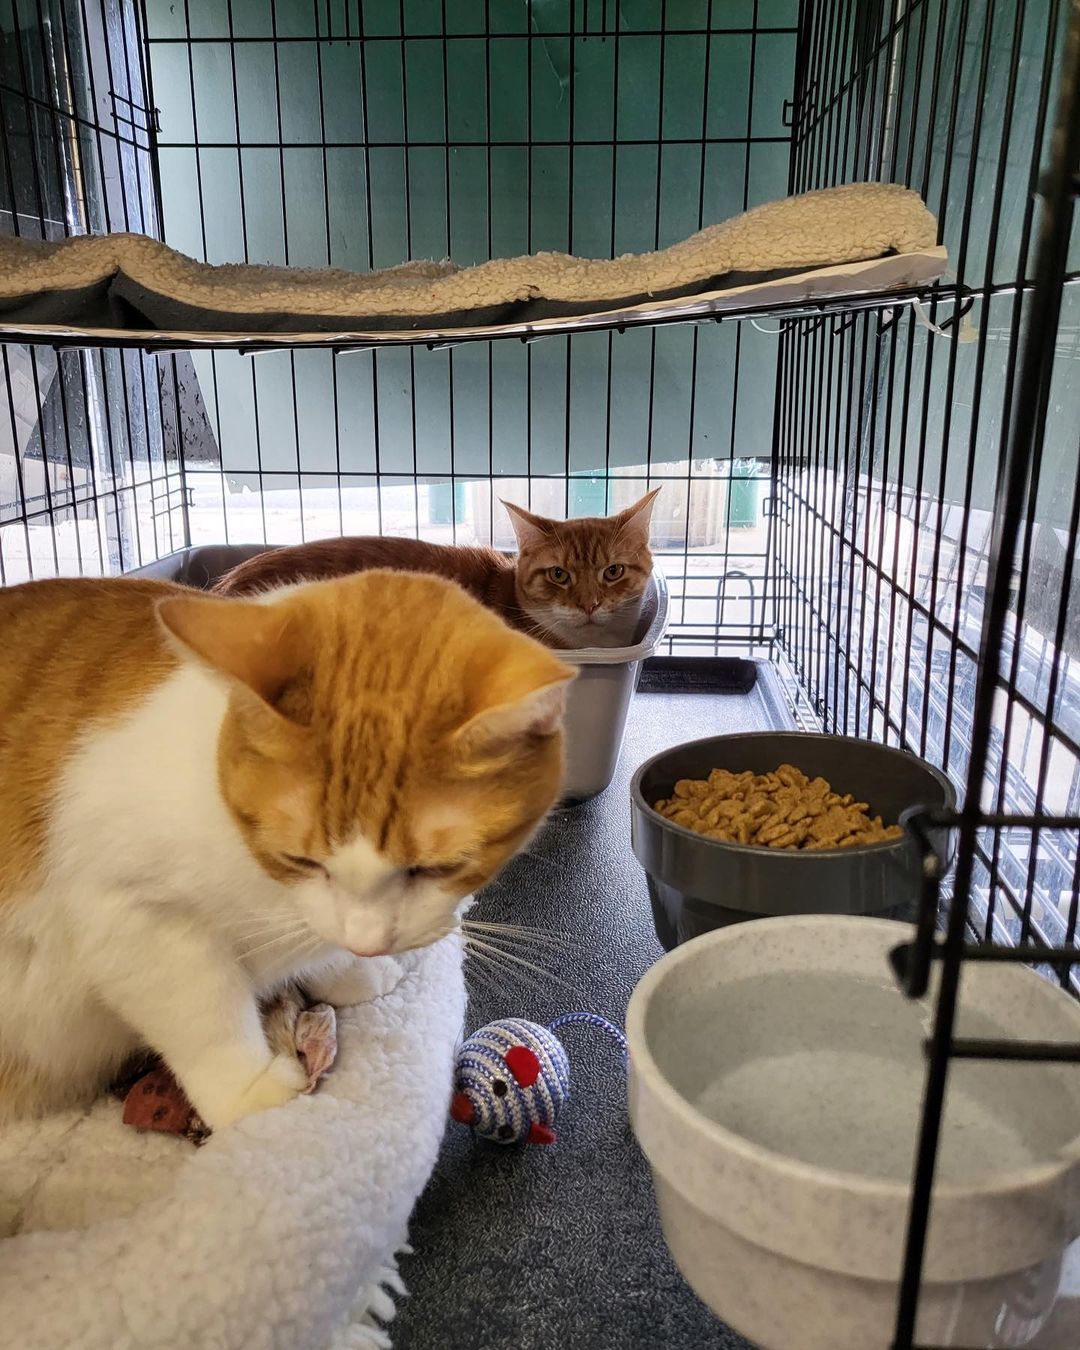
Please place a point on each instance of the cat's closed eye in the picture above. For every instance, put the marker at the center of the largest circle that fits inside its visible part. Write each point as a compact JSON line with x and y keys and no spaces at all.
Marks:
{"x":301,"y":864}
{"x":434,"y":873}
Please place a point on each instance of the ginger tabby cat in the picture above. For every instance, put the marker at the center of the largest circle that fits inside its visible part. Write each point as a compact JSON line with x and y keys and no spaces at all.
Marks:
{"x":574,"y":583}
{"x":202,"y":798}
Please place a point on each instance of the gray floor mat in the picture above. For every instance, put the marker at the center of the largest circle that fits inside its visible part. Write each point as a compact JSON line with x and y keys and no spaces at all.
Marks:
{"x":537,"y":1248}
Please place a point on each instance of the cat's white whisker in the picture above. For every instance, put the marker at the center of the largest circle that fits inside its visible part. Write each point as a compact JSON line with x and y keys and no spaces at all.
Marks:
{"x":500,"y":954}
{"x":293,"y":923}
{"x":261,"y":941}
{"x":541,"y":952}
{"x":494,"y":978}
{"x":293,"y":936}
{"x":513,"y":961}
{"x":309,"y":946}
{"x":501,"y":926}
{"x":515,"y":932}
{"x":258,"y":930}
{"x":475,"y":972}
{"x":542,"y":858}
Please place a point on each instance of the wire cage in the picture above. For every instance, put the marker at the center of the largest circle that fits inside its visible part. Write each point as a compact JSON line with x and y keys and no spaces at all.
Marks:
{"x":882,"y":500}
{"x":928,"y":505}
{"x":889,"y":436}
{"x":356,"y":135}
{"x":90,"y":481}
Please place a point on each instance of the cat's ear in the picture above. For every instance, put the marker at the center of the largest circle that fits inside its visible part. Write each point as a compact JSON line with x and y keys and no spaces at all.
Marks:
{"x":254,"y":644}
{"x":516,"y":692}
{"x":633,"y":523}
{"x":530,"y":529}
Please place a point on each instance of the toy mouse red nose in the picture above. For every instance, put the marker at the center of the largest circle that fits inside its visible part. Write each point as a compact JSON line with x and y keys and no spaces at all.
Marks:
{"x":461,"y":1109}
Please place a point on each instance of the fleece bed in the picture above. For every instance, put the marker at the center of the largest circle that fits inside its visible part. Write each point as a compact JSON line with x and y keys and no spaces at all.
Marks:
{"x":280,"y":1233}
{"x":858,"y":239}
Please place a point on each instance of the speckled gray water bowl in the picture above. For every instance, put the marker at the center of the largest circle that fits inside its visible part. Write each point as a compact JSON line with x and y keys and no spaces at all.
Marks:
{"x":697,"y":884}
{"x":776,"y":1080}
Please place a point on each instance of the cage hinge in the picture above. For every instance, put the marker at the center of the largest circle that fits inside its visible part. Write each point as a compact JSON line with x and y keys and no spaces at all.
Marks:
{"x":137,"y":116}
{"x":795,"y":109}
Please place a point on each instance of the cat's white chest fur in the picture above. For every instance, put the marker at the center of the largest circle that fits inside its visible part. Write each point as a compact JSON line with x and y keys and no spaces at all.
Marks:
{"x":143,"y":859}
{"x":139,"y":803}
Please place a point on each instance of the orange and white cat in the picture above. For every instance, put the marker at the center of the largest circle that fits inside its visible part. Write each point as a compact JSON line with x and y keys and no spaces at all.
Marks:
{"x":202,"y":798}
{"x":574,"y":583}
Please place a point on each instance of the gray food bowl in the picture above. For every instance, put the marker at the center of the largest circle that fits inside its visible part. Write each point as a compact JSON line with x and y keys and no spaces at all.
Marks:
{"x":697,"y":884}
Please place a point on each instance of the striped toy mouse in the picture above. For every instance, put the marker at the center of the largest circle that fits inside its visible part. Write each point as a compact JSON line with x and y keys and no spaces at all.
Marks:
{"x":512,"y":1077}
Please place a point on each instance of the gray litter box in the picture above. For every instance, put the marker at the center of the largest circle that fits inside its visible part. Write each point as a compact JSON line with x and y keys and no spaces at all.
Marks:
{"x":599,"y":698}
{"x":697,"y":884}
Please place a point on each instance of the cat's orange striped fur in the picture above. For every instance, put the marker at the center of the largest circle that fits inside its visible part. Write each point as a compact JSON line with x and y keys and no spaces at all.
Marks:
{"x":51,"y":694}
{"x":574,"y":583}
{"x":202,"y":798}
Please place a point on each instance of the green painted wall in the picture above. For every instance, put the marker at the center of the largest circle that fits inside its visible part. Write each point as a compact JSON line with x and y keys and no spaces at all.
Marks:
{"x":299,"y":143}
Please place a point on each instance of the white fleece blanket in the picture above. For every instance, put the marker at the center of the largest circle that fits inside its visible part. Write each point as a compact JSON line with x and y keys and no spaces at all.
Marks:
{"x":134,"y":283}
{"x":280,"y":1233}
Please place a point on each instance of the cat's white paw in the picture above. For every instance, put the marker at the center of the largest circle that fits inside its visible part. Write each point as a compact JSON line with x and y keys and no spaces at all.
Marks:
{"x":362,"y":979}
{"x":283,"y":1079}
{"x":221,"y":1103}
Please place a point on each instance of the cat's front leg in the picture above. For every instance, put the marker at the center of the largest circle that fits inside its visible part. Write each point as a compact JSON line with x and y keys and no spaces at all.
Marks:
{"x":347,"y":979}
{"x":188,"y":998}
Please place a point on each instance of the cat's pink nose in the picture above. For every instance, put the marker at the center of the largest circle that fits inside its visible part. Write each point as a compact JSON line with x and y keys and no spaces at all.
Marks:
{"x":590,"y":609}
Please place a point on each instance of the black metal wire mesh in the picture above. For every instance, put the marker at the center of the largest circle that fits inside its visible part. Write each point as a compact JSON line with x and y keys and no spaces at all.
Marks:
{"x":1016,"y":486}
{"x":87,"y":483}
{"x":363,"y":135}
{"x":890,"y":432}
{"x":359,"y":136}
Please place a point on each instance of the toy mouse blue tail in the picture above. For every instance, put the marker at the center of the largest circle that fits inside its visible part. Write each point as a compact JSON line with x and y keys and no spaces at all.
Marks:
{"x":592,"y":1020}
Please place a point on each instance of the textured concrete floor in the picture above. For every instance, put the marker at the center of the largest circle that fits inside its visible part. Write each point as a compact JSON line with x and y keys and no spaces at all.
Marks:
{"x":561,"y":1246}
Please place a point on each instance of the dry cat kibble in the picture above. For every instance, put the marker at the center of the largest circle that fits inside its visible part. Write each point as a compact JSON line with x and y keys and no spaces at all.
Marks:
{"x":781,"y":809}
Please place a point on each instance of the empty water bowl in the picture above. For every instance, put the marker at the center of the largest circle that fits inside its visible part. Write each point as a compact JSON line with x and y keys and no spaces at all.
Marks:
{"x":776,"y":1081}
{"x":697,"y":884}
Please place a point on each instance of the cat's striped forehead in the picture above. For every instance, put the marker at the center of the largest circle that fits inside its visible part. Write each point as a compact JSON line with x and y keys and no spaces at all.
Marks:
{"x":587,"y":544}
{"x":583,"y":542}
{"x":392,"y":670}
{"x":380,"y":698}
{"x":394,"y":781}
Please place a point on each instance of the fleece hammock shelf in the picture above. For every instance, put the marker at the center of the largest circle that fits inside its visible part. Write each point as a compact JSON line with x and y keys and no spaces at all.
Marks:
{"x":858,"y":246}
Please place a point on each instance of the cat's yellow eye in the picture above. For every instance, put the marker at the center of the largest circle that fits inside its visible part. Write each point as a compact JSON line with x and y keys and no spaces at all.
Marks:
{"x":559,"y":575}
{"x":613,"y":571}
